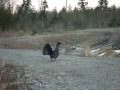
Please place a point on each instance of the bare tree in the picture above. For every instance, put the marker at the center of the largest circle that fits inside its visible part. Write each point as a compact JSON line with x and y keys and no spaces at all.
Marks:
{"x":66,"y":5}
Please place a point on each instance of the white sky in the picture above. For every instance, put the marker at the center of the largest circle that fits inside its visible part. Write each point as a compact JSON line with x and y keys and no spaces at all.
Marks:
{"x":58,"y":4}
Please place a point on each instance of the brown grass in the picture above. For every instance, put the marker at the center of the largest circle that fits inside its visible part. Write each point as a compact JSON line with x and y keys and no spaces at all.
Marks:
{"x":37,"y":41}
{"x":11,"y":76}
{"x":85,"y":38}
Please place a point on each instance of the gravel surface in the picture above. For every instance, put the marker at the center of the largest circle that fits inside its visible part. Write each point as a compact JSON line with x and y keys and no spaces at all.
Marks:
{"x":67,"y":72}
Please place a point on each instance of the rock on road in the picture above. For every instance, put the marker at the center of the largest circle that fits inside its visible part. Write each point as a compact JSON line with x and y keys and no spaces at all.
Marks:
{"x":67,"y":72}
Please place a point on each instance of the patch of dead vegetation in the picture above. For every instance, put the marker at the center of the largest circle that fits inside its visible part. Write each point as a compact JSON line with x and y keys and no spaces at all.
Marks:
{"x":12,"y":76}
{"x":38,"y":41}
{"x":86,"y":39}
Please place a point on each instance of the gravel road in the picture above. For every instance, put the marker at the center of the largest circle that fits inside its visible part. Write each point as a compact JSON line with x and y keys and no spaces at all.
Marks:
{"x":67,"y":72}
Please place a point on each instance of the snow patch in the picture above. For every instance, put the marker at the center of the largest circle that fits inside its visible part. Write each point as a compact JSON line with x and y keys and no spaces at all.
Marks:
{"x":102,"y":54}
{"x":95,"y":50}
{"x":117,"y":51}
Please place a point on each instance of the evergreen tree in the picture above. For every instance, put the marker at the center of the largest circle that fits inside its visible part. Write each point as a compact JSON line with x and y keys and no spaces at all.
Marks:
{"x":5,"y":16}
{"x":82,"y":4}
{"x":103,"y":4}
{"x":102,"y":13}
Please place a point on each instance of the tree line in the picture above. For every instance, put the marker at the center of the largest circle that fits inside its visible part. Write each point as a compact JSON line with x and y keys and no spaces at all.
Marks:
{"x":27,"y":19}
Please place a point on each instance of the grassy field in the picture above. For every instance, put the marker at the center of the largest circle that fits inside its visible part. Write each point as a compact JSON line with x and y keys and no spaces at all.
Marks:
{"x":87,"y":39}
{"x":20,"y":40}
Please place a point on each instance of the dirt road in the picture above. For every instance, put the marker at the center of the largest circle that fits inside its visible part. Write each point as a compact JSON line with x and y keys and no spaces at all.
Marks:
{"x":68,"y":72}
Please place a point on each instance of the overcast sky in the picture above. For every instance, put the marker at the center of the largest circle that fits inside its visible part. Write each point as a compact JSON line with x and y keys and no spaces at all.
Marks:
{"x":58,"y":4}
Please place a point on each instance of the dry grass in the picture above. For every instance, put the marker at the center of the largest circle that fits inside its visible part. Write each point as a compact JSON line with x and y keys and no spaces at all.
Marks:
{"x":85,"y":38}
{"x":11,"y":76}
{"x":37,"y":41}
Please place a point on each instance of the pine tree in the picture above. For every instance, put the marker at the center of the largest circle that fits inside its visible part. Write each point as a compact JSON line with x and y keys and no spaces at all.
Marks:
{"x":103,"y":4}
{"x":82,"y":4}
